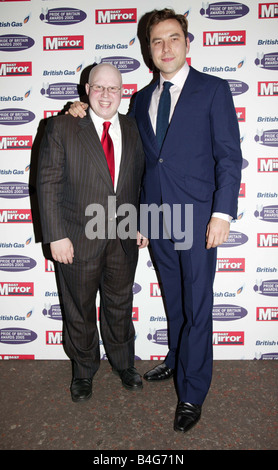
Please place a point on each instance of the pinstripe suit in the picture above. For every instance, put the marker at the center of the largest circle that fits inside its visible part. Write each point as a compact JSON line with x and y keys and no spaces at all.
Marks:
{"x":73,"y":174}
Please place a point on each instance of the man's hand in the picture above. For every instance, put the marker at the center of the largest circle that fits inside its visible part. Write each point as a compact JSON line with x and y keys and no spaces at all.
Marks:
{"x":217,"y":232}
{"x":77,"y":109}
{"x":142,"y":241}
{"x":62,"y":251}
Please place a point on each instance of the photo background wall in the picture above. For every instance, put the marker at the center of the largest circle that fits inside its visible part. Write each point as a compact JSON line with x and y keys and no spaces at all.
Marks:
{"x":46,"y":47}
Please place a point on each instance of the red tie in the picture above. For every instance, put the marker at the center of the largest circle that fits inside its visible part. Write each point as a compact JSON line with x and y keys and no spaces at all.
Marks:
{"x":108,"y":149}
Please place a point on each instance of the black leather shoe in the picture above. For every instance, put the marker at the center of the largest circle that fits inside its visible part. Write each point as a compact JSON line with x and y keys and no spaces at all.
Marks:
{"x":130,"y":378}
{"x":81,"y":389}
{"x":187,"y":415}
{"x":160,"y":372}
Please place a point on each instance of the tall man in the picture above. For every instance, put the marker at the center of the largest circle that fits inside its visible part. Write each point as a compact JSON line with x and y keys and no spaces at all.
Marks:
{"x":198,"y":164}
{"x":76,"y":179}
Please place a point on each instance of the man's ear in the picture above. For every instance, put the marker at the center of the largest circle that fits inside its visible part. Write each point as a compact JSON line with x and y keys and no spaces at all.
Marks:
{"x":187,"y":45}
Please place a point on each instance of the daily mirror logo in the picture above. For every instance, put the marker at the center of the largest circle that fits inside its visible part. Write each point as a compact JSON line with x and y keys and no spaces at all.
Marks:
{"x":267,"y":165}
{"x":268,"y":11}
{"x":268,"y":88}
{"x":267,"y":314}
{"x":63,"y":43}
{"x":16,"y":142}
{"x":13,"y":216}
{"x":116,"y":16}
{"x":224,"y":38}
{"x":15,"y":69}
{"x":267,"y":240}
{"x":8,"y":289}
{"x":230,"y":265}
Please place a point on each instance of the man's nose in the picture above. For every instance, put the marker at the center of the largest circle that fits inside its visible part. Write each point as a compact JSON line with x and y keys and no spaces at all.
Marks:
{"x":166,"y":46}
{"x":105,"y":92}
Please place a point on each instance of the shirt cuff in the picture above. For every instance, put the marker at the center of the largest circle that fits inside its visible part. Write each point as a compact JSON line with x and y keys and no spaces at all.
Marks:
{"x":220,"y":215}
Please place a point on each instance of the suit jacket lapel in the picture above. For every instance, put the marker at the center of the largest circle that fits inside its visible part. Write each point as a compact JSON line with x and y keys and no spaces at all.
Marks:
{"x":190,"y":87}
{"x":144,"y":112}
{"x":90,"y":141}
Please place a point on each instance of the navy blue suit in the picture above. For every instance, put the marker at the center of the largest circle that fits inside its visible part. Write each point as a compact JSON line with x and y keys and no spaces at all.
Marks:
{"x":199,"y":164}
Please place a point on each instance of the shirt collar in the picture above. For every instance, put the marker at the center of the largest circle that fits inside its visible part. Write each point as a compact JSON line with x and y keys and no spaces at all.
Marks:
{"x":98,"y":121}
{"x":179,"y":78}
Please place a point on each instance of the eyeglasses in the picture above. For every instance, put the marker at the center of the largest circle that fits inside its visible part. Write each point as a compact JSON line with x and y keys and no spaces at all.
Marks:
{"x":100,"y":88}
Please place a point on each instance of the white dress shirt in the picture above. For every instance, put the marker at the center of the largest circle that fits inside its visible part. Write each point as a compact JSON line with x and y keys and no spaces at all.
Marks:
{"x":178,"y":82}
{"x":116,"y":136}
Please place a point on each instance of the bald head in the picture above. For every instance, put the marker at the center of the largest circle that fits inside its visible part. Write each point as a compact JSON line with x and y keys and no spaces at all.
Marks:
{"x":104,"y":90}
{"x":102,"y":69}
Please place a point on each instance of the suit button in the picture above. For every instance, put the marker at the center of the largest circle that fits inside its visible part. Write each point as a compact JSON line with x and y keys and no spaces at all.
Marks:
{"x":161,"y":160}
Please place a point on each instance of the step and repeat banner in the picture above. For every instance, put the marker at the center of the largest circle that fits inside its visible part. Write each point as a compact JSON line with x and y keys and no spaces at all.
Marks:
{"x":46,"y":48}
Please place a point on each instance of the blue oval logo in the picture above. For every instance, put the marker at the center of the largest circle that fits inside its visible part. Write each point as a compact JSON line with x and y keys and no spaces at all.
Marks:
{"x":267,"y":213}
{"x":268,"y":137}
{"x":17,"y":336}
{"x":123,"y":64}
{"x":136,"y":288}
{"x":237,"y":87}
{"x":14,"y":190}
{"x":267,"y":61}
{"x":224,"y":10}
{"x":52,"y":311}
{"x":235,"y":239}
{"x":61,"y":91}
{"x":15,"y":116}
{"x":224,"y":312}
{"x":158,"y":336}
{"x":62,"y":16}
{"x":268,"y":287}
{"x":16,"y":263}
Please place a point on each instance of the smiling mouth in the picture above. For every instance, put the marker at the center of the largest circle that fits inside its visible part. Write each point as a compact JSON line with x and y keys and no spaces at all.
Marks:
{"x":104,"y":104}
{"x":168,"y":59}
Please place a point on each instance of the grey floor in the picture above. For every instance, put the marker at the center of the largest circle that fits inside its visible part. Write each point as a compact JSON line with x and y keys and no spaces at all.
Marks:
{"x":240,"y":412}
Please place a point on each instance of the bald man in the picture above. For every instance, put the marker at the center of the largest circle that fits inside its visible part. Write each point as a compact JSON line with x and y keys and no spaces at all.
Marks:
{"x":78,"y":178}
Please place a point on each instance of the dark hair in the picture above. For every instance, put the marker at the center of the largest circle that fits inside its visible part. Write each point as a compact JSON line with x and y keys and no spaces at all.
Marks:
{"x":158,"y":16}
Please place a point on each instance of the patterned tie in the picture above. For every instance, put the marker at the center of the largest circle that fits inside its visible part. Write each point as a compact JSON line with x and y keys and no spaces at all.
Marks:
{"x":108,"y":148}
{"x":163,"y":112}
